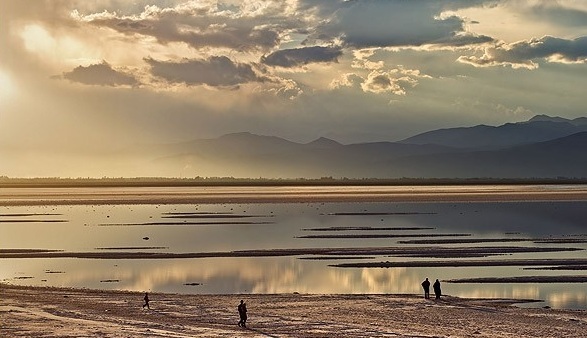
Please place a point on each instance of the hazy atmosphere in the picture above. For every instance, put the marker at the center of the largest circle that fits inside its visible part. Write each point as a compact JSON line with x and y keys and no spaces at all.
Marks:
{"x":82,"y":82}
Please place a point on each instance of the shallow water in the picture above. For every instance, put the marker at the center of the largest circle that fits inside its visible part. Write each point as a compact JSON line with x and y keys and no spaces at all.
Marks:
{"x":115,"y":228}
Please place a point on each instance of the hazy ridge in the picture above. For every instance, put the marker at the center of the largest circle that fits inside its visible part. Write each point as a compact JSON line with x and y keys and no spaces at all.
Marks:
{"x":542,"y":147}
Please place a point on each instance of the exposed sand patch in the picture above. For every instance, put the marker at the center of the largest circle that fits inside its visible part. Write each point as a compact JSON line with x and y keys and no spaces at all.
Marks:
{"x":334,"y":252}
{"x":564,"y":267}
{"x":522,"y":279}
{"x":357,"y":236}
{"x":186,"y":223}
{"x":457,"y":263}
{"x":493,"y":240}
{"x":368,"y":229}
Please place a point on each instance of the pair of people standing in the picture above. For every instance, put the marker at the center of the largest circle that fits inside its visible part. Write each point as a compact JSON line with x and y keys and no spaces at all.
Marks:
{"x":435,"y":286}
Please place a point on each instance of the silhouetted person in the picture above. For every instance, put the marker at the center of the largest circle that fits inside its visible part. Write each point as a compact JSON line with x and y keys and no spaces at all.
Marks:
{"x":426,"y":287}
{"x":242,"y":312}
{"x":436,"y":288}
{"x":146,"y":298}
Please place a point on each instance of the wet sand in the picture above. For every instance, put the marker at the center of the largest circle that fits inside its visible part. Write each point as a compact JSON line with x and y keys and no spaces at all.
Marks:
{"x":124,"y":253}
{"x":57,"y":312}
{"x":280,"y":194}
{"x":461,"y":263}
{"x":522,"y":279}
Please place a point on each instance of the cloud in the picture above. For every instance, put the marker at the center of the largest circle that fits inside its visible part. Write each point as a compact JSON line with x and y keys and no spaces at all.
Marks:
{"x":346,"y":80}
{"x":522,"y":54}
{"x":380,"y":82}
{"x":242,"y":28}
{"x":216,"y":71}
{"x":285,"y":88}
{"x":570,"y":13}
{"x":101,"y":74}
{"x":262,"y":26}
{"x":301,"y":56}
{"x":396,"y":23}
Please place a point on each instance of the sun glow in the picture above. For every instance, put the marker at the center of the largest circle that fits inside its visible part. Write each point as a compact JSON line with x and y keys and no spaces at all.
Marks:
{"x":63,"y":51}
{"x":7,"y":87}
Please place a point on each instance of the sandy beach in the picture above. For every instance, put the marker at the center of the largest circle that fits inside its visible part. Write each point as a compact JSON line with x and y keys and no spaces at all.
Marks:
{"x":61,"y":312}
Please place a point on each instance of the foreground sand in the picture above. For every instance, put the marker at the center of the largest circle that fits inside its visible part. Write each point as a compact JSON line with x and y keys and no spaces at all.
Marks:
{"x":55,"y":312}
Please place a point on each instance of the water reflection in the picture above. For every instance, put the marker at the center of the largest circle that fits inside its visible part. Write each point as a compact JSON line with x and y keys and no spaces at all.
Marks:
{"x":89,"y":228}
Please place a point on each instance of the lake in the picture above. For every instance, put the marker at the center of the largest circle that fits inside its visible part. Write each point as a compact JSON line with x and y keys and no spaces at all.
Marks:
{"x":509,"y":229}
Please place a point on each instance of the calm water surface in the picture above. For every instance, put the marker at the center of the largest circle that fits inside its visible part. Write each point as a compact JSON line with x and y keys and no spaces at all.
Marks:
{"x":105,"y":228}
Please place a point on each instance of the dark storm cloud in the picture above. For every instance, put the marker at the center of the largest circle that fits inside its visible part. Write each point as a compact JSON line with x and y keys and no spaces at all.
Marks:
{"x":301,"y":56}
{"x":100,"y":74}
{"x":393,"y":23}
{"x":523,"y":53}
{"x":217,"y":71}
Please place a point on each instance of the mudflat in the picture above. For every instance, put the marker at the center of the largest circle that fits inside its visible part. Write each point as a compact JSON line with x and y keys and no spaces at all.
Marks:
{"x":62,"y":312}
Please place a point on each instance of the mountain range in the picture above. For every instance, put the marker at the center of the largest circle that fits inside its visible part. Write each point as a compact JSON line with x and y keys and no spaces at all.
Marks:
{"x":542,"y":147}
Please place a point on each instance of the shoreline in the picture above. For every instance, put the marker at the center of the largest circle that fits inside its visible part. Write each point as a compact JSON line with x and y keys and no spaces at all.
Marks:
{"x":41,"y":311}
{"x":280,"y":194}
{"x":34,"y":311}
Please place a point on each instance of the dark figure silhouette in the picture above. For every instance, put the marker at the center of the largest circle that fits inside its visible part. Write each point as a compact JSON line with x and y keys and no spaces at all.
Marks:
{"x":426,"y":287}
{"x":146,"y":298}
{"x":436,"y":288}
{"x":242,"y":312}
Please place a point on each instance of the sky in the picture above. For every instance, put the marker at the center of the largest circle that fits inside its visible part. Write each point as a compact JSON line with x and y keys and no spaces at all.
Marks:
{"x":81,"y":79}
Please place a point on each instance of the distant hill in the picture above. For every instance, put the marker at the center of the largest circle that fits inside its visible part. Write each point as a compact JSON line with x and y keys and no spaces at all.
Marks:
{"x":580,"y":121}
{"x":543,"y":147}
{"x":248,"y":155}
{"x":538,"y":129}
{"x":562,"y":157}
{"x":324,"y":142}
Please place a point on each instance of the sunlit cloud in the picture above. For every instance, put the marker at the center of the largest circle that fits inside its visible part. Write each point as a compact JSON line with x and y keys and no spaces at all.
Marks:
{"x":285,"y":88}
{"x":381,"y":82}
{"x":252,"y":26}
{"x":346,"y":80}
{"x":523,"y":54}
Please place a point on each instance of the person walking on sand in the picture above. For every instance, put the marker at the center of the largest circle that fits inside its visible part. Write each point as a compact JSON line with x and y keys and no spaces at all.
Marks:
{"x":146,"y":298}
{"x":242,"y":312}
{"x":436,"y":288}
{"x":426,"y":287}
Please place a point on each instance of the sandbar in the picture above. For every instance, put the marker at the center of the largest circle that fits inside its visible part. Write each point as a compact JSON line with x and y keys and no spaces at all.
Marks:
{"x":283,"y":194}
{"x":334,"y":252}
